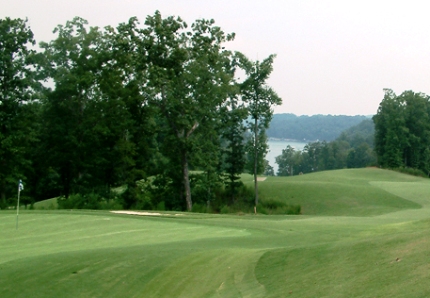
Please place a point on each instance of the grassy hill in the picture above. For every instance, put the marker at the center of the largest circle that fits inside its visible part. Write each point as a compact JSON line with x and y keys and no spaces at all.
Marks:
{"x":365,"y":233}
{"x":342,"y":192}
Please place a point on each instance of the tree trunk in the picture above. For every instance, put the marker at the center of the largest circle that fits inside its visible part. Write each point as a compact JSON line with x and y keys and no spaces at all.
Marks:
{"x":256,"y":160}
{"x":2,"y":198}
{"x":186,"y":179}
{"x":2,"y":193}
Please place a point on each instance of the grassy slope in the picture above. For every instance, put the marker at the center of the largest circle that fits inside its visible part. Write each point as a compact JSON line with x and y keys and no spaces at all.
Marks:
{"x":339,"y":192}
{"x":381,"y":253}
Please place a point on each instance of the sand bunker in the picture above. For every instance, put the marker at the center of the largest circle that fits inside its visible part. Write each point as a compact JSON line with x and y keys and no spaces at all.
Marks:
{"x":142,"y":213}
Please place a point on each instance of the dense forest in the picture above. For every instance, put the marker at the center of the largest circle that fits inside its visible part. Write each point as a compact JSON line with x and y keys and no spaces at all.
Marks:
{"x":134,"y":116}
{"x":311,"y":128}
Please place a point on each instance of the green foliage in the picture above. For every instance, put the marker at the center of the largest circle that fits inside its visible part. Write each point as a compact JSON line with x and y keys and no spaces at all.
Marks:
{"x":272,"y":207}
{"x":138,"y":196}
{"x":200,"y":208}
{"x":287,"y":161}
{"x":225,"y":209}
{"x":411,"y":171}
{"x":92,"y":200}
{"x":127,"y":103}
{"x":234,"y":152}
{"x":352,"y":149}
{"x":402,"y":130}
{"x":260,"y":99}
{"x":161,"y":206}
{"x":221,"y":199}
{"x":19,"y":88}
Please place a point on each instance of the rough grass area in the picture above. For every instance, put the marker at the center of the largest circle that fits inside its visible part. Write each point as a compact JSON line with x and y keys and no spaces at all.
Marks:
{"x":383,"y":252}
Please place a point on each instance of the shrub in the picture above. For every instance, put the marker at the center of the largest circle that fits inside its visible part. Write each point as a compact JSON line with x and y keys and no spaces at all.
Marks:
{"x":272,"y":206}
{"x":199,"y":208}
{"x":91,"y":200}
{"x":225,"y":209}
{"x":411,"y":171}
{"x":261,"y":209}
{"x":161,"y":206}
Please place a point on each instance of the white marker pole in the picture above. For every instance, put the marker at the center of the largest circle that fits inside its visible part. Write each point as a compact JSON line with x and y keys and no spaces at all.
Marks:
{"x":17,"y":204}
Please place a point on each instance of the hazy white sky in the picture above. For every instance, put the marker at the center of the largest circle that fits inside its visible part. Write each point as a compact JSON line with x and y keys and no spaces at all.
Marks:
{"x":333,"y":57}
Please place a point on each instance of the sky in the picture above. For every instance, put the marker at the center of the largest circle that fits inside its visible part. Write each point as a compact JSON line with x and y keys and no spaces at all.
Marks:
{"x":333,"y":57}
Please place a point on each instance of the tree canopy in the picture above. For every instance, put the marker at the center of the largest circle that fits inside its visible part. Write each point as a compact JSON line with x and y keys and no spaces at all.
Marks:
{"x":402,"y":131}
{"x":139,"y":115}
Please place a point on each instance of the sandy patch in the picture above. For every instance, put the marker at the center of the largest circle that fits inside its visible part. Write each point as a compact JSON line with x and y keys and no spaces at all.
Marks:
{"x":142,"y":213}
{"x":261,"y":178}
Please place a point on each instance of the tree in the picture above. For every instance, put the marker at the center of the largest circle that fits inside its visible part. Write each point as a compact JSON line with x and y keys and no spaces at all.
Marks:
{"x":402,"y":130}
{"x":286,"y":162}
{"x":260,"y":99}
{"x":390,"y":131}
{"x":235,"y":155}
{"x":189,"y":78}
{"x":359,"y":157}
{"x":311,"y":157}
{"x":418,"y":124}
{"x":18,"y":88}
{"x":86,"y":119}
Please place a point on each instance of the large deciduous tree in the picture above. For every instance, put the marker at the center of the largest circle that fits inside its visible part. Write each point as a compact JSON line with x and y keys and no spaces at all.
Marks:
{"x":17,"y":90}
{"x":189,"y":79}
{"x":86,"y":119}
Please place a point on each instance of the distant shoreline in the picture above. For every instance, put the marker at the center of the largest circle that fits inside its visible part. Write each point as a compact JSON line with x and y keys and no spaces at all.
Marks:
{"x":271,"y":139}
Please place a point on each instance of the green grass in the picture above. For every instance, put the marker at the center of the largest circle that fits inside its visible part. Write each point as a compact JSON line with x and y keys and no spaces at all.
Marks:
{"x":337,"y":193}
{"x":365,"y":233}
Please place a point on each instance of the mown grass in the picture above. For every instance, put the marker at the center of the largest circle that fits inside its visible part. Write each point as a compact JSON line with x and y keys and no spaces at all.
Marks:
{"x":329,"y":253}
{"x":337,"y":193}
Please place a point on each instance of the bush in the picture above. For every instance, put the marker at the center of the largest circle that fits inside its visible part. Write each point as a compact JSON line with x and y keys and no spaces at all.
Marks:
{"x":136,"y":197}
{"x":225,"y":209}
{"x":199,"y":208}
{"x":273,"y":204}
{"x":93,"y":201}
{"x":161,"y":206}
{"x":411,"y":171}
{"x":80,"y":201}
{"x":110,"y":205}
{"x":261,"y":209}
{"x":278,"y":207}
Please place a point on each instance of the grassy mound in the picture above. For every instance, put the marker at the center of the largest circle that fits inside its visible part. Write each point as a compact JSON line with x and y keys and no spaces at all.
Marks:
{"x":341,"y":192}
{"x":382,"y":253}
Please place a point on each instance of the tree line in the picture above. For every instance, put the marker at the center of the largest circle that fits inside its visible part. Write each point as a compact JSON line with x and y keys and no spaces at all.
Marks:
{"x":397,"y":137}
{"x":402,"y":131}
{"x":352,"y":149}
{"x":139,"y":116}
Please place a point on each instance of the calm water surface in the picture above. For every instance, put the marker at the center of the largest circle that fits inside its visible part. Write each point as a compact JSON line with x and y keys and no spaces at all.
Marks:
{"x":275,"y":149}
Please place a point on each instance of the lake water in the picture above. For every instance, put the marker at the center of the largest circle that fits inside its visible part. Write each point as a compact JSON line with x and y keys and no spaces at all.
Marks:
{"x":275,"y":149}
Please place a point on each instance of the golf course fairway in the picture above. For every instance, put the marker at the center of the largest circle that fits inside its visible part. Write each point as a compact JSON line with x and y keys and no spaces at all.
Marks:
{"x":363,"y":233}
